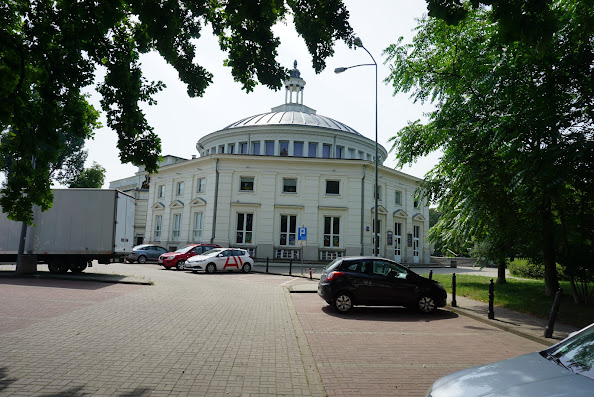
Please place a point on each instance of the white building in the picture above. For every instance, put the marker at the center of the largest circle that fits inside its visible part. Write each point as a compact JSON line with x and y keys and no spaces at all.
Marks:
{"x":258,"y":180}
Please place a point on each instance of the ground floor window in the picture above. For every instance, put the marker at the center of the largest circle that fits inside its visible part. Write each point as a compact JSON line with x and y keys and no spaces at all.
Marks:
{"x":245,"y":228}
{"x":331,"y":231}
{"x":176,"y":229}
{"x":288,"y":234}
{"x":158,"y":227}
{"x":198,"y":218}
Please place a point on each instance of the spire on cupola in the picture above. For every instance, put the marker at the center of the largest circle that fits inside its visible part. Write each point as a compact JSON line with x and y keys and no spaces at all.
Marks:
{"x":294,"y":93}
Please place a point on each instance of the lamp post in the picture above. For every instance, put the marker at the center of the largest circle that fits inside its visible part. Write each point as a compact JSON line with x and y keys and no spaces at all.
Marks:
{"x":359,"y":43}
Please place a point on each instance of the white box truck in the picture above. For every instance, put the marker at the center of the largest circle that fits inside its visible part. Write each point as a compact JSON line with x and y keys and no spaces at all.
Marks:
{"x":83,"y":225}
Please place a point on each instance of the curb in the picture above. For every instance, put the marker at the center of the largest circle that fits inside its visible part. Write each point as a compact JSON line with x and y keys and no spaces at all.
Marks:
{"x":503,"y":327}
{"x":83,"y":277}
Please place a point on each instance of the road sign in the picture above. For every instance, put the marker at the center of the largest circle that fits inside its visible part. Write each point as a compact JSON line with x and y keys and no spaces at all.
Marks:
{"x":302,"y":233}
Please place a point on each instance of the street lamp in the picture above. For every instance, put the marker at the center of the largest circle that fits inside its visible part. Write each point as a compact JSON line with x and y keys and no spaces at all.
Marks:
{"x":359,"y":43}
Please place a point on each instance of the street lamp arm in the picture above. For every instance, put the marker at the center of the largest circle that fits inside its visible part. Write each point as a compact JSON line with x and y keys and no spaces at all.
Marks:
{"x":343,"y":69}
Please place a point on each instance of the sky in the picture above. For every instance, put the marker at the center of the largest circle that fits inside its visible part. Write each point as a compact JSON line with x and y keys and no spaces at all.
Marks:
{"x":348,"y":97}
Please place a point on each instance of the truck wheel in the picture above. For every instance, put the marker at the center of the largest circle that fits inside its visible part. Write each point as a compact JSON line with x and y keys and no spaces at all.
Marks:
{"x":180,"y":265}
{"x":55,"y":267}
{"x":78,"y":268}
{"x":142,"y":259}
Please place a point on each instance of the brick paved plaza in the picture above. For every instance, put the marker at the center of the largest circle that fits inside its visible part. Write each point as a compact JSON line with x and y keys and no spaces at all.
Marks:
{"x":223,"y":335}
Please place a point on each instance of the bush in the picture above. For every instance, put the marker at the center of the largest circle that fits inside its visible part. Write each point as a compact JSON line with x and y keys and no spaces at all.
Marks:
{"x":525,"y":269}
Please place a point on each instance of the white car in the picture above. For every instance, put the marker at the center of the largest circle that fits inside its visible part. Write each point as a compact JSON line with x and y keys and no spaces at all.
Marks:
{"x":221,"y":259}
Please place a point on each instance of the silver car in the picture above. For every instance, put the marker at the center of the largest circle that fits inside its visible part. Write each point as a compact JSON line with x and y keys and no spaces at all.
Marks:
{"x":563,"y":370}
{"x":146,"y":252}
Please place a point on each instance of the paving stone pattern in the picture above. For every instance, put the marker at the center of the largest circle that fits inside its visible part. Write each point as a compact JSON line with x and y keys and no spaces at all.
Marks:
{"x":193,"y":335}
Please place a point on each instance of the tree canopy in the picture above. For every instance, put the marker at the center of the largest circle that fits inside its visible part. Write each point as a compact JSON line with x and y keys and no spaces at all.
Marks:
{"x":514,"y":118}
{"x":92,"y":177}
{"x":50,"y":50}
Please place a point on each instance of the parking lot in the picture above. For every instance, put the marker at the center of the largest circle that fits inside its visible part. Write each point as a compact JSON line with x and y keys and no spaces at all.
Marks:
{"x":224,"y":334}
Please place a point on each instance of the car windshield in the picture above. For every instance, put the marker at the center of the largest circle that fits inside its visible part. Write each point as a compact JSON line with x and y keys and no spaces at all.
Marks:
{"x":576,"y":353}
{"x":212,"y":251}
{"x":185,"y":249}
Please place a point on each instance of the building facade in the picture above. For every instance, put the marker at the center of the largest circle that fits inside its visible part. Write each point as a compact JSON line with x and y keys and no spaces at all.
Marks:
{"x":257,"y":181}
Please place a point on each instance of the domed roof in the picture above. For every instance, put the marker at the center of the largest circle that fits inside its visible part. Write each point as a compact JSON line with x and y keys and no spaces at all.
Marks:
{"x":291,"y":117}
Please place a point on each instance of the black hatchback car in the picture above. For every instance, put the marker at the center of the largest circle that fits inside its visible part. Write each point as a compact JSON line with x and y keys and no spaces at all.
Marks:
{"x":374,"y":281}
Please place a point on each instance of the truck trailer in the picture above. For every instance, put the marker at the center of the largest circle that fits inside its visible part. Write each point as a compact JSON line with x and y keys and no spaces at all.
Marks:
{"x":83,"y":225}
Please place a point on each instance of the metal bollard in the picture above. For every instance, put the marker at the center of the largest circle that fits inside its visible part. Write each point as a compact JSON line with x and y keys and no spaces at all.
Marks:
{"x":554,"y":309}
{"x":454,"y":304}
{"x":491,"y":313}
{"x":266,"y":264}
{"x":310,"y":276}
{"x":430,"y":274}
{"x":291,"y":267}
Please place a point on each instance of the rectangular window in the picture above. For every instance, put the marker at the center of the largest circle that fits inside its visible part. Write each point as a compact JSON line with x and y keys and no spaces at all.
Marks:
{"x":398,"y":197}
{"x":222,"y":149}
{"x":416,"y":203}
{"x":298,"y":149}
{"x":246,"y":184}
{"x":245,"y":227}
{"x":351,"y":153}
{"x":201,"y":186}
{"x":288,"y":234}
{"x":231,"y":148}
{"x":332,"y":187}
{"x":179,"y":190}
{"x":379,"y":192}
{"x":331,"y":231}
{"x":284,"y":148}
{"x":339,"y":150}
{"x":158,"y":227}
{"x":326,"y":151}
{"x":176,"y":229}
{"x":161,"y":191}
{"x":312,"y":150}
{"x":255,"y":148}
{"x":270,"y":148}
{"x":243,"y":148}
{"x":289,"y":185}
{"x":198,"y":217}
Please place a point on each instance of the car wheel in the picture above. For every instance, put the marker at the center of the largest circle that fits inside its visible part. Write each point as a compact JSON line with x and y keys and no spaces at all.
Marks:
{"x":246,"y":268}
{"x":180,"y":265}
{"x":343,"y":302}
{"x":211,"y":268}
{"x":426,"y":304}
{"x":142,"y":259}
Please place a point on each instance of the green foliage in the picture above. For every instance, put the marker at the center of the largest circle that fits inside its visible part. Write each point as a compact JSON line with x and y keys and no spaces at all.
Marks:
{"x":50,"y":51}
{"x":92,"y":177}
{"x":514,"y":120}
{"x":524,"y":296}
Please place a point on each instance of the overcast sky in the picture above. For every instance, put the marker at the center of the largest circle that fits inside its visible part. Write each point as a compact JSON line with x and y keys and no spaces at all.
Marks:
{"x":347,"y":97}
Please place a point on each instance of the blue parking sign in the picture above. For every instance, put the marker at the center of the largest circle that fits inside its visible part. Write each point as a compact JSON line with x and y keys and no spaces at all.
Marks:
{"x":302,"y":233}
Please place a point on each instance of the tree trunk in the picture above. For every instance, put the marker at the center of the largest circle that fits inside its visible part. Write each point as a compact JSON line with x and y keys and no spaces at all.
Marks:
{"x":548,"y":240}
{"x":501,"y":272}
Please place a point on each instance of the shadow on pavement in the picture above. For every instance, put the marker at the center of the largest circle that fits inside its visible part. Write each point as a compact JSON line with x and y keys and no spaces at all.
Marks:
{"x":389,"y":313}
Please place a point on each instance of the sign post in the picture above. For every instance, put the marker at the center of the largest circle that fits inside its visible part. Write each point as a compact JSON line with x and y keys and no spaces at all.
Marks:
{"x":302,"y":238}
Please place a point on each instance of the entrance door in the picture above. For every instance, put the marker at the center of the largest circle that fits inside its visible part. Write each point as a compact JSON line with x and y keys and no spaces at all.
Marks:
{"x":398,"y":242}
{"x":379,"y":238}
{"x":416,"y":241}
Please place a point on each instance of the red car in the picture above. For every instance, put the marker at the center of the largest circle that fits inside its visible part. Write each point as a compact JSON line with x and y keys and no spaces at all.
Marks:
{"x":179,"y":257}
